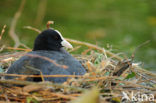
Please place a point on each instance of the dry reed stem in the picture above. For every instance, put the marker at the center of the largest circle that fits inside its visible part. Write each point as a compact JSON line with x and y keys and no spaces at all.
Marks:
{"x":32,"y":28}
{"x":12,"y":33}
{"x":134,"y":85}
{"x":48,"y":59}
{"x":2,"y":32}
{"x":91,"y":78}
{"x":1,"y":35}
{"x":41,"y":74}
{"x":2,"y":48}
{"x":94,"y":47}
{"x":63,"y":96}
{"x":20,"y":75}
{"x":12,"y":48}
{"x":48,"y":24}
{"x":74,"y":49}
{"x":17,"y":82}
{"x":102,"y":78}
{"x":17,"y":54}
{"x":139,"y":69}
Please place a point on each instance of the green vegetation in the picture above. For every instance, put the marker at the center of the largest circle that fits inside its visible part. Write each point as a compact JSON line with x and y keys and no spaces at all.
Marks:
{"x":123,"y":24}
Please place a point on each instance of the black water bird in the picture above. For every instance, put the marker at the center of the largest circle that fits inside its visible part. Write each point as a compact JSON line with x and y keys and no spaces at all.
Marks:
{"x":49,"y":58}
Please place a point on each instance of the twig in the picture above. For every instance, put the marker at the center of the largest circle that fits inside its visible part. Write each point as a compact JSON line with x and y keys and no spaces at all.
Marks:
{"x":41,"y":74}
{"x":138,"y":47}
{"x":32,"y":28}
{"x":20,"y":75}
{"x":24,"y":46}
{"x":74,"y":49}
{"x":91,"y":78}
{"x":139,"y":69}
{"x":102,"y":78}
{"x":17,"y":54}
{"x":127,"y":83}
{"x":48,"y":59}
{"x":12,"y":48}
{"x":2,"y":32}
{"x":14,"y":23}
{"x":2,"y":48}
{"x":63,"y":96}
{"x":41,"y":84}
{"x":48,"y":24}
{"x":94,"y":47}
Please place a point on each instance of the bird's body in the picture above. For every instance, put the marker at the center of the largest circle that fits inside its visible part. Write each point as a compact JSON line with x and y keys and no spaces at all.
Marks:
{"x":47,"y":61}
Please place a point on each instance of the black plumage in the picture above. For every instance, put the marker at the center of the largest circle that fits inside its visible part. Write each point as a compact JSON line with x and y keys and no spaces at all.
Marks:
{"x":49,"y":44}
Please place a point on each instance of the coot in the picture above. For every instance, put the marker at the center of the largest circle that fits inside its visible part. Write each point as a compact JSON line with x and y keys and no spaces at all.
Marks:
{"x":49,"y":58}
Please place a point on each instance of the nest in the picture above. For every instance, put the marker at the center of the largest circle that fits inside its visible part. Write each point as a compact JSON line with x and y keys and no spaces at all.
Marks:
{"x":113,"y":77}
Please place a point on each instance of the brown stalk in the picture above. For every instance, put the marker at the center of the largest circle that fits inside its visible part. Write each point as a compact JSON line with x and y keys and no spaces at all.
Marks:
{"x":2,"y":32}
{"x":32,"y":28}
{"x":48,"y":24}
{"x":12,"y":48}
{"x":48,"y":59}
{"x":63,"y":96}
{"x":41,"y":84}
{"x":12,"y":33}
{"x":20,"y":75}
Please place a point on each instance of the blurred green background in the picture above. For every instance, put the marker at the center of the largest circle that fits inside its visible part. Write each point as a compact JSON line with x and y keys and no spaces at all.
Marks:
{"x":118,"y":25}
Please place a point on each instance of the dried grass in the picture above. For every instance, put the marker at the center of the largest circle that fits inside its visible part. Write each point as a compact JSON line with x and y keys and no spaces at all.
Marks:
{"x":102,"y":71}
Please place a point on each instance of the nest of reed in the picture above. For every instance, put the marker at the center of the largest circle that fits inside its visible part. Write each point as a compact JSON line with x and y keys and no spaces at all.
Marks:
{"x":108,"y":72}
